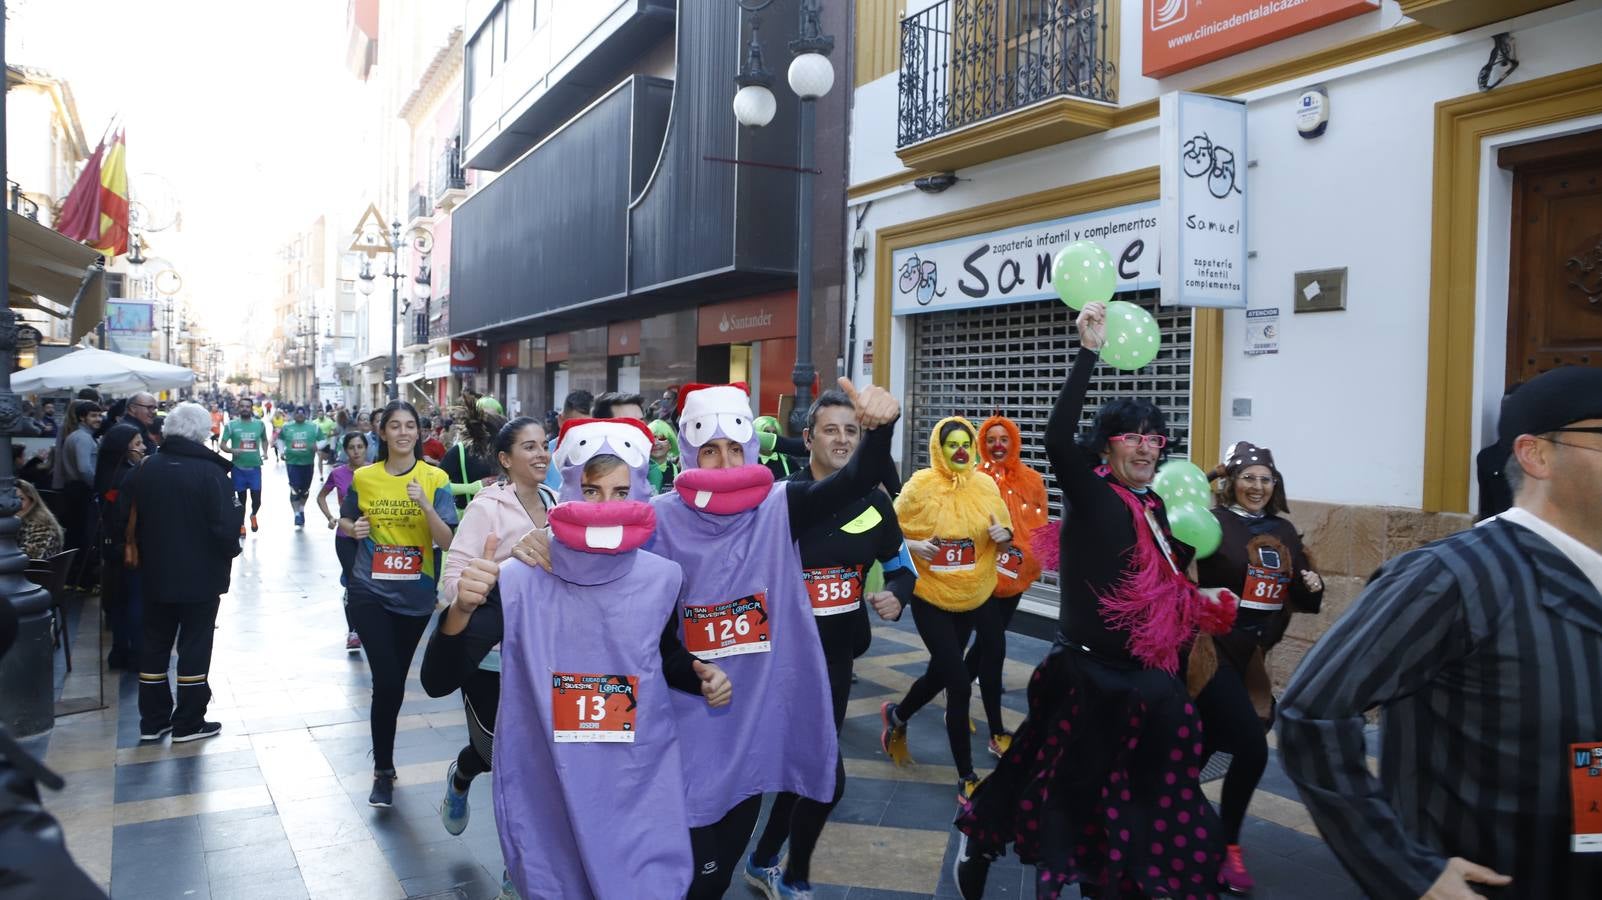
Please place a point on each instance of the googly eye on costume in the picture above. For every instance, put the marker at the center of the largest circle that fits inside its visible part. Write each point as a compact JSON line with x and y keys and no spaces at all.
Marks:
{"x":736,"y":427}
{"x":585,"y":441}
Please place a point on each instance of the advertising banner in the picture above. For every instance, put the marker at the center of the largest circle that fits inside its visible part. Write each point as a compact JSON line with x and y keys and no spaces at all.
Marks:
{"x":1183,"y":34}
{"x":1202,"y":150}
{"x":465,"y":356}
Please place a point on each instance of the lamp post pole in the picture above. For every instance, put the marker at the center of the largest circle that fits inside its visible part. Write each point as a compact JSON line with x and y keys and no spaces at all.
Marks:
{"x":810,"y":76}
{"x":394,"y":311}
{"x":27,"y":672}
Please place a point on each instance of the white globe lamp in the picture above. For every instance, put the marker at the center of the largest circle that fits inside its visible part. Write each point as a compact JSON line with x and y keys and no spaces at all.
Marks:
{"x":754,"y":105}
{"x":811,"y":76}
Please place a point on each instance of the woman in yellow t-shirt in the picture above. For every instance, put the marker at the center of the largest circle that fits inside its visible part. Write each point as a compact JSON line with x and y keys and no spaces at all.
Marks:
{"x":398,"y":510}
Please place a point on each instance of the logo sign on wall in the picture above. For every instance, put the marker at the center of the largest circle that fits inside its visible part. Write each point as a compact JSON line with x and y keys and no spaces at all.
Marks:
{"x":1014,"y":264}
{"x":1203,"y":152}
{"x":1183,"y":34}
{"x":506,"y":355}
{"x":465,"y":356}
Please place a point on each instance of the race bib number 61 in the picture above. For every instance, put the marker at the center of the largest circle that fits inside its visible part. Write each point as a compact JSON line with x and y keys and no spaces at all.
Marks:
{"x":728,"y":629}
{"x":953,"y":555}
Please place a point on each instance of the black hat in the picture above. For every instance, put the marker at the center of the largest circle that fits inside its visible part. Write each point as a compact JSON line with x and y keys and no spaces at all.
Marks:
{"x":1242,"y":454}
{"x":1550,"y":401}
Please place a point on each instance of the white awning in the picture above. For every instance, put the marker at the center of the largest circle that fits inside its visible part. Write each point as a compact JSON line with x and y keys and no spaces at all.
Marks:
{"x":46,"y":263}
{"x":410,"y":377}
{"x":437,"y":367}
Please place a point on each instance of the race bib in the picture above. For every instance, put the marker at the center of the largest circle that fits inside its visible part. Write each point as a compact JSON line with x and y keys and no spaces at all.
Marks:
{"x":953,"y":556}
{"x":728,"y":629}
{"x":1009,"y":564}
{"x":391,"y":563}
{"x":1265,"y":589}
{"x":834,"y":589}
{"x":593,"y":708}
{"x":1586,"y":780}
{"x":298,"y":444}
{"x":247,"y":445}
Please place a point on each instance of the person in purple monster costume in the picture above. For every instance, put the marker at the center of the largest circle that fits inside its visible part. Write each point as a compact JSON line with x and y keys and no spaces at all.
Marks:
{"x":586,"y":664}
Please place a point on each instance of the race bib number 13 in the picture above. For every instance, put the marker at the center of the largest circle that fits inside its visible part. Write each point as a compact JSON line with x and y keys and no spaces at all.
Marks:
{"x":391,"y":563}
{"x":593,"y":708}
{"x":834,"y":589}
{"x":728,"y":629}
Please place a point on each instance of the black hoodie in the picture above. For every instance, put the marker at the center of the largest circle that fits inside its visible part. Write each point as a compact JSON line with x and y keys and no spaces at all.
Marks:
{"x":189,"y":521}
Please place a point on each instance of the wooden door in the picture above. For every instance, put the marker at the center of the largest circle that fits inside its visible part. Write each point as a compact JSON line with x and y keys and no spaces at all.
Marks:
{"x":1555,"y":274}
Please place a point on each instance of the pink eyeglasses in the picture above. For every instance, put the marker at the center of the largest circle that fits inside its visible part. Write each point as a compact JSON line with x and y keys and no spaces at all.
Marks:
{"x":1156,"y":441}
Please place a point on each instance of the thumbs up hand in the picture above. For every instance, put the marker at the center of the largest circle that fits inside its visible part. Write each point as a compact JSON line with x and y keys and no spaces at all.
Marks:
{"x":415,"y":492}
{"x":999,"y":533}
{"x":874,"y":405}
{"x":479,"y":578}
{"x":715,"y":685}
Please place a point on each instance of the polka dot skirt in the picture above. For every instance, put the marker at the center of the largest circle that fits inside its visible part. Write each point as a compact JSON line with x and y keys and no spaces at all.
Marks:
{"x":1100,"y":786}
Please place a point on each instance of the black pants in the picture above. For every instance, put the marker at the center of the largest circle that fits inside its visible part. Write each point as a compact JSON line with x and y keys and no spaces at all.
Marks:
{"x":389,"y":641}
{"x":798,"y":819}
{"x":481,"y":696}
{"x":987,"y":667}
{"x":945,"y":634}
{"x":255,"y":499}
{"x":80,"y":526}
{"x":192,"y":625}
{"x":121,"y":598}
{"x":345,"y":550}
{"x":1230,"y":723}
{"x":717,"y":849}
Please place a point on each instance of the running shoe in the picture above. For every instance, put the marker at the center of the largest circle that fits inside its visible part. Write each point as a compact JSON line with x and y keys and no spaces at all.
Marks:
{"x":999,"y":744}
{"x":893,"y":739}
{"x":966,"y":784}
{"x":353,"y":642}
{"x":383,"y":795}
{"x":253,"y":525}
{"x":969,"y":871}
{"x":1233,"y":875}
{"x":206,"y":730}
{"x":300,"y":520}
{"x":154,"y":734}
{"x":242,"y":532}
{"x":765,"y":878}
{"x":453,"y":810}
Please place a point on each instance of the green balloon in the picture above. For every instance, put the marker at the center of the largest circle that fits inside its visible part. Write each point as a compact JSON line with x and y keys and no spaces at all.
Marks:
{"x":1133,"y":337}
{"x":1197,"y":527}
{"x":1083,"y":273}
{"x":1179,"y":480}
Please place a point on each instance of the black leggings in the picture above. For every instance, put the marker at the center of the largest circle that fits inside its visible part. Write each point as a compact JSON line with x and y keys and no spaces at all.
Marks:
{"x":798,"y":819}
{"x":1230,"y":723}
{"x":945,"y":634}
{"x":255,"y":499}
{"x":481,"y":695}
{"x":717,"y":849}
{"x":389,"y":641}
{"x":987,"y":667}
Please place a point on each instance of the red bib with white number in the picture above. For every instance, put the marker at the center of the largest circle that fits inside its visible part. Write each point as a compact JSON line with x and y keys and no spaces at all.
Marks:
{"x":1009,"y":564}
{"x":593,"y":708}
{"x":728,"y":629}
{"x":298,"y":444}
{"x":953,"y":556}
{"x":834,"y":589}
{"x":1585,"y":779}
{"x":1265,"y":589}
{"x":247,"y":445}
{"x":391,"y":563}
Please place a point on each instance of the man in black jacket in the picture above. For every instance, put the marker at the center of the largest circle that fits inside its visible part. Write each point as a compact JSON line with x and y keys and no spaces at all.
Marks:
{"x":185,"y":560}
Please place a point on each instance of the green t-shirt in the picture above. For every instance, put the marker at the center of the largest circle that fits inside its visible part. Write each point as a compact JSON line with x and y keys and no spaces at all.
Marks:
{"x":245,"y":439}
{"x":327,"y":426}
{"x":300,"y":442}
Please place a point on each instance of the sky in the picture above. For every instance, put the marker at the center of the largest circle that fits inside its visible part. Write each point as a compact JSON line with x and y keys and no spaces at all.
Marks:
{"x":241,"y":111}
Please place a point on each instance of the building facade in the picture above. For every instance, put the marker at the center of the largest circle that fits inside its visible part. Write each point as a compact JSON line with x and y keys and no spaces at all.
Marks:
{"x":1457,"y":214}
{"x":623,"y":231}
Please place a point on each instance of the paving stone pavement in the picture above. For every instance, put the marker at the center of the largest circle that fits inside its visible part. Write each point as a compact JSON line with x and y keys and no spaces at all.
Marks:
{"x":275,"y":807}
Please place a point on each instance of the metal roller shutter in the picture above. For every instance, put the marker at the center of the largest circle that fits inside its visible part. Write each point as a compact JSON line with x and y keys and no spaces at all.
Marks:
{"x":1013,"y":360}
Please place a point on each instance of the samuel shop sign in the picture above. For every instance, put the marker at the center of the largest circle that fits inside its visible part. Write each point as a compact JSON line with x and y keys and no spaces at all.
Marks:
{"x":1202,"y":145}
{"x":1014,"y":264}
{"x":1183,"y":34}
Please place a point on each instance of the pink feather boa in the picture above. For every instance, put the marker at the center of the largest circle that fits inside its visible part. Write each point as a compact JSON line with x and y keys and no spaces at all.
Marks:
{"x":1159,"y":607}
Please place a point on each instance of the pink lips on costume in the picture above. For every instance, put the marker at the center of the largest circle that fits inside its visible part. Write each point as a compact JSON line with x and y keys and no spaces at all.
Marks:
{"x":615,"y":527}
{"x":724,"y":492}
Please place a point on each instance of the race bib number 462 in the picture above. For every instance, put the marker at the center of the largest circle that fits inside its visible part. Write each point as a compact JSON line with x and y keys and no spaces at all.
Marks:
{"x":593,"y":708}
{"x":834,"y":589}
{"x":953,"y":556}
{"x":728,"y":629}
{"x":391,"y":563}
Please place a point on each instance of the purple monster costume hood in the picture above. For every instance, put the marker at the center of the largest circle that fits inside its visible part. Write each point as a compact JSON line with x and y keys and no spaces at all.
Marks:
{"x":706,"y":413}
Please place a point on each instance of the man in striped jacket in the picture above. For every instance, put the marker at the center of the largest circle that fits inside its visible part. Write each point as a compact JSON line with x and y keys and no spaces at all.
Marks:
{"x":1484,"y":653}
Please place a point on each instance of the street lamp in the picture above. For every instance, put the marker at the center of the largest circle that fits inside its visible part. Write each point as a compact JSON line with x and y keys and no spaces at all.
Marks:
{"x":811,"y":76}
{"x":392,"y":271}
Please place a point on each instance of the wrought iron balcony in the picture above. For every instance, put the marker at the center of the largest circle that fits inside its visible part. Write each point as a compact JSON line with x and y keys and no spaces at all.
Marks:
{"x":449,"y":175}
{"x":419,"y":205}
{"x":963,"y":61}
{"x":419,"y":328}
{"x":440,"y":326}
{"x":20,"y":203}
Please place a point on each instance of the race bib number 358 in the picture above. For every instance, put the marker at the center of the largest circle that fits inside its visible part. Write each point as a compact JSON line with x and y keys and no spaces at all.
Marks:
{"x":728,"y":629}
{"x":391,"y":563}
{"x":593,"y":708}
{"x":834,"y":589}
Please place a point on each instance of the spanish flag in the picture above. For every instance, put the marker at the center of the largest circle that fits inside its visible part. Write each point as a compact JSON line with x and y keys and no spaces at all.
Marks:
{"x":96,"y":209}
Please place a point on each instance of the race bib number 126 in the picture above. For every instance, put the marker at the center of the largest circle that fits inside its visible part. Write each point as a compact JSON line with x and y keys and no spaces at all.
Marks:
{"x":728,"y":629}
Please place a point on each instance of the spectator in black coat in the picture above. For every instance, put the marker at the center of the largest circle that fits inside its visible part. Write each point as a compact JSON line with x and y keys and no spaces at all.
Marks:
{"x":121,"y":452}
{"x":186,"y":557}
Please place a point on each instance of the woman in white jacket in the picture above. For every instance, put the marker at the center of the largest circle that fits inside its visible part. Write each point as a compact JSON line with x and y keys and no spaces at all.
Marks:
{"x":464,"y":652}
